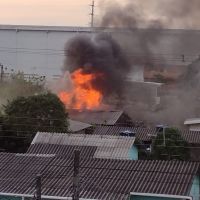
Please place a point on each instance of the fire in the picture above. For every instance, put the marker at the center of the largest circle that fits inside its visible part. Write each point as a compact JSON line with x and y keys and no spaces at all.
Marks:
{"x":83,"y":95}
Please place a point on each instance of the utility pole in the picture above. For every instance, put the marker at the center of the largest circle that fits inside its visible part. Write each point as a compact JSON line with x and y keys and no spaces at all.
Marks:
{"x":76,"y":175}
{"x":164,"y":142}
{"x":37,"y":195}
{"x":1,"y":76}
{"x":92,"y":14}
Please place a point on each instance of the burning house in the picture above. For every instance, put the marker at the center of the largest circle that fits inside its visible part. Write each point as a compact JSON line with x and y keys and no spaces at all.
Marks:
{"x":99,"y":117}
{"x":99,"y":78}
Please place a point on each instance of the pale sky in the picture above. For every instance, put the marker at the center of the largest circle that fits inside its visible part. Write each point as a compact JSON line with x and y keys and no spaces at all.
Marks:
{"x":46,"y":12}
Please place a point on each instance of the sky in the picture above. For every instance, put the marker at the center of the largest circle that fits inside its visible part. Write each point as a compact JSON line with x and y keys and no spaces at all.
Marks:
{"x":46,"y":12}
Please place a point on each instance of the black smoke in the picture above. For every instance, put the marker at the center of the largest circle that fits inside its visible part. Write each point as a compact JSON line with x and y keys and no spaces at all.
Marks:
{"x":100,"y":55}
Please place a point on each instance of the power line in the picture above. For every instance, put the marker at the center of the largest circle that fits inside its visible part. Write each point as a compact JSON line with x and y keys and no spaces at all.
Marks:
{"x":62,"y":52}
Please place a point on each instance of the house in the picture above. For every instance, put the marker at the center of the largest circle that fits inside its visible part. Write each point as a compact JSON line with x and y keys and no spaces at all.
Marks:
{"x":102,"y":179}
{"x":146,"y":135}
{"x":142,"y":135}
{"x":98,"y":146}
{"x":193,"y":139}
{"x":99,"y":117}
{"x":193,"y":124}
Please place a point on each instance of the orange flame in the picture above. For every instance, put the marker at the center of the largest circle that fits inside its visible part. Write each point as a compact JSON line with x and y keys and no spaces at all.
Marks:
{"x":83,"y":94}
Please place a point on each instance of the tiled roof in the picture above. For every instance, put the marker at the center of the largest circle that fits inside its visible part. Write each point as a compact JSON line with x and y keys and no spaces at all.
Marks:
{"x":75,"y":126}
{"x":115,"y":147}
{"x":96,"y":117}
{"x":99,"y":178}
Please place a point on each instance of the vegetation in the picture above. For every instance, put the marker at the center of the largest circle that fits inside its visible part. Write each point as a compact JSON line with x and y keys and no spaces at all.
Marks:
{"x":170,"y":145}
{"x":17,"y":84}
{"x":24,"y":116}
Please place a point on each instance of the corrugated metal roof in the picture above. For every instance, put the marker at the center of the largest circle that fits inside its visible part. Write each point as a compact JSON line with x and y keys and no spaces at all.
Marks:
{"x":66,"y":150}
{"x":192,"y":137}
{"x":96,"y":117}
{"x":192,"y":121}
{"x":75,"y":126}
{"x":83,"y":140}
{"x":46,"y":28}
{"x":115,"y":147}
{"x":145,"y":134}
{"x":99,"y":178}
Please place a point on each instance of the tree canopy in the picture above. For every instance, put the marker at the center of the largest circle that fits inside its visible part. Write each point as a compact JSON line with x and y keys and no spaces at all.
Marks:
{"x":43,"y":112}
{"x":170,"y":145}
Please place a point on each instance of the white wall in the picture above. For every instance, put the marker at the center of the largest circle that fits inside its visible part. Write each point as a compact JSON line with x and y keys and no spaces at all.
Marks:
{"x":35,"y":50}
{"x":39,"y":49}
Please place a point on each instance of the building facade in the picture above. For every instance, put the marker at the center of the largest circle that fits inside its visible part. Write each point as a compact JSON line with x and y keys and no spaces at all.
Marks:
{"x":35,"y":49}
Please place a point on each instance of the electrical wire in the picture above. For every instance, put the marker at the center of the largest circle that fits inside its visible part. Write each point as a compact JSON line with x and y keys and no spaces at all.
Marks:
{"x":152,"y":57}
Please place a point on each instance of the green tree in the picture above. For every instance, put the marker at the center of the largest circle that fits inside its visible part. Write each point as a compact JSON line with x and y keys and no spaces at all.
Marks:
{"x":43,"y":112}
{"x":170,"y":145}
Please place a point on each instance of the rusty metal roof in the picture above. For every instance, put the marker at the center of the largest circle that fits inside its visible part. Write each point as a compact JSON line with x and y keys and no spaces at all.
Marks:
{"x":99,"y":178}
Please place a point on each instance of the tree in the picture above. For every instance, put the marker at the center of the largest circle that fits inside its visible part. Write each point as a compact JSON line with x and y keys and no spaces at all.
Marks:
{"x":43,"y":112}
{"x":170,"y":145}
{"x":18,"y":84}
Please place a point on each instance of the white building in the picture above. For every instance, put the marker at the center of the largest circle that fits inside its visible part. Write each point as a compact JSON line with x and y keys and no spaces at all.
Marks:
{"x":40,"y":49}
{"x":35,"y":49}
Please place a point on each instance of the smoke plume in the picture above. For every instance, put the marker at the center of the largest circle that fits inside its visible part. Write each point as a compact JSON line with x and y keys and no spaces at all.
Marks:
{"x":176,"y":14}
{"x":133,"y":43}
{"x":101,"y":55}
{"x":155,"y":16}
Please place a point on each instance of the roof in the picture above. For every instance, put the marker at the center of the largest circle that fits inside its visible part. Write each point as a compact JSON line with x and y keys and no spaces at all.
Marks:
{"x":192,"y":137}
{"x":115,"y":147}
{"x":46,"y":28}
{"x":96,"y":117}
{"x":143,"y":134}
{"x":75,"y":126}
{"x":99,"y":178}
{"x":66,"y":150}
{"x":192,"y":121}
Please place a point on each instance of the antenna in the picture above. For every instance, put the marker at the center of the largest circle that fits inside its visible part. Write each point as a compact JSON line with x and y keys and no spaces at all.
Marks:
{"x":92,"y":14}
